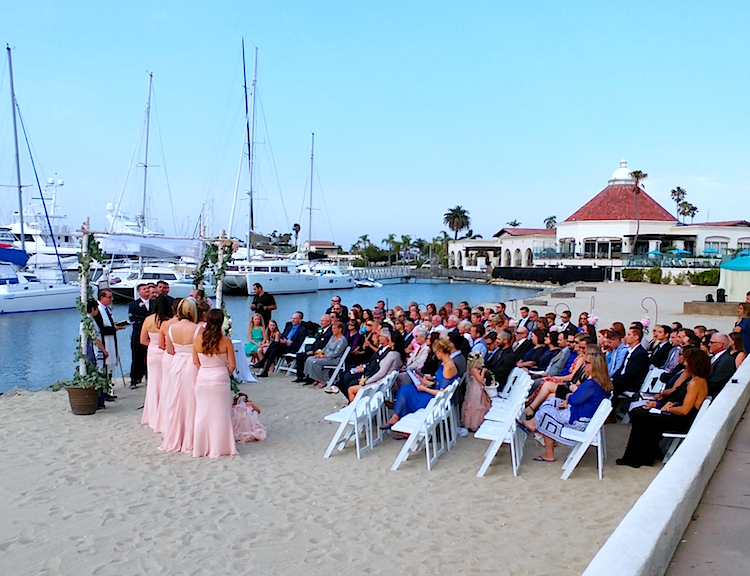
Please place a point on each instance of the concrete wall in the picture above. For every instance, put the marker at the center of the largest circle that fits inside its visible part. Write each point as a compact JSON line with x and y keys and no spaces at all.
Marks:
{"x":645,"y":540}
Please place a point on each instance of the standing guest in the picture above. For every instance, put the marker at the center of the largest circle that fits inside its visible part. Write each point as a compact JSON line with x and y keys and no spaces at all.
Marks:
{"x":263,"y":303}
{"x":647,"y":428}
{"x":742,"y":326}
{"x":722,"y":364}
{"x":162,"y":289}
{"x":138,"y":310}
{"x":150,"y":339}
{"x":338,"y":307}
{"x":575,"y":411}
{"x":213,"y":356}
{"x":152,"y":292}
{"x":108,"y":329}
{"x":314,"y":367}
{"x":476,"y":402}
{"x":290,"y":342}
{"x":321,"y":339}
{"x":256,"y":333}
{"x":179,"y":392}
{"x":737,"y":348}
{"x":197,"y":295}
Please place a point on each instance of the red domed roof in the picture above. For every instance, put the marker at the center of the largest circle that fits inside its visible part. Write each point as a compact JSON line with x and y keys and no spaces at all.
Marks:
{"x":616,"y":202}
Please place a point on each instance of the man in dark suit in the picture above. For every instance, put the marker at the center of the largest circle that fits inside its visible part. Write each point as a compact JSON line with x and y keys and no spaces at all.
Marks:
{"x":291,"y":341}
{"x":661,"y":347}
{"x":722,"y":364}
{"x":162,"y":289}
{"x":523,"y":342}
{"x":629,"y":377}
{"x":408,"y":333}
{"x":566,"y":325}
{"x":501,"y":359}
{"x":138,"y":310}
{"x":351,"y":376}
{"x":321,"y":339}
{"x":337,"y":307}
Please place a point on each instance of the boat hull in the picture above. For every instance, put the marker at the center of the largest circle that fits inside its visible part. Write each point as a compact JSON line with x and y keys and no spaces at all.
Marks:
{"x":33,"y":297}
{"x":330,"y":282}
{"x":127,"y":291}
{"x":235,"y":283}
{"x":280,"y":283}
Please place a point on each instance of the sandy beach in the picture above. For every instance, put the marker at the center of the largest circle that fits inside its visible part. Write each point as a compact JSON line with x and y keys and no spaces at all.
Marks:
{"x":93,"y":495}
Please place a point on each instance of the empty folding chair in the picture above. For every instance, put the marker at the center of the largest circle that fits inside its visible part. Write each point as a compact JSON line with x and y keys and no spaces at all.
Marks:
{"x":354,"y":420}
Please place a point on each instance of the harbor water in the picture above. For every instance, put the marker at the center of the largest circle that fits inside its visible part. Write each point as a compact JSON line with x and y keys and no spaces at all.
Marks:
{"x":37,"y":349}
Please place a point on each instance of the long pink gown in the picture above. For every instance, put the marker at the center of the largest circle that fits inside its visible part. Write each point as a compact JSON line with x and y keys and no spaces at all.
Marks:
{"x":178,"y":436}
{"x":153,"y":387}
{"x":165,"y":392}
{"x":213,"y":403}
{"x":246,"y":423}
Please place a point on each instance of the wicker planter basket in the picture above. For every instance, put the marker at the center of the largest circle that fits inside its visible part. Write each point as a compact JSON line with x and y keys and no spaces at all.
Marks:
{"x":83,"y":401}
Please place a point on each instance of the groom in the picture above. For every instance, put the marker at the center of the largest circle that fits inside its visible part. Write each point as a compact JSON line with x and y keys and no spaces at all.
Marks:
{"x":138,"y":311}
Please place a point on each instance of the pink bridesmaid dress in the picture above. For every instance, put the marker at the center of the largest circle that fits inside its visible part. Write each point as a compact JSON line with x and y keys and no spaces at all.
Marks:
{"x":178,"y":436}
{"x":153,"y":387}
{"x":165,"y":393}
{"x":213,"y":403}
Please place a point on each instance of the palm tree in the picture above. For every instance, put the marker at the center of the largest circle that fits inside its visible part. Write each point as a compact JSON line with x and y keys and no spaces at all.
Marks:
{"x":637,"y":176}
{"x":420,"y":244}
{"x":693,"y":211}
{"x":405,"y":243}
{"x":678,"y":195}
{"x":550,"y":222}
{"x":390,"y":242}
{"x":456,"y":219}
{"x":513,"y":223}
{"x":686,"y":209}
{"x":296,"y":228}
{"x":470,"y":235}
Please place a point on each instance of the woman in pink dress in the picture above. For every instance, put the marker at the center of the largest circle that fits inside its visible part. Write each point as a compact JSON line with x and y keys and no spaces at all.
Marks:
{"x":213,"y":355}
{"x":150,"y":338}
{"x":180,"y":391}
{"x":165,"y":390}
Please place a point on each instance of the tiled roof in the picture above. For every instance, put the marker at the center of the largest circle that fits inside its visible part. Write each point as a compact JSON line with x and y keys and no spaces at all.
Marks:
{"x":323,"y":243}
{"x":510,"y":231}
{"x":617,"y":203}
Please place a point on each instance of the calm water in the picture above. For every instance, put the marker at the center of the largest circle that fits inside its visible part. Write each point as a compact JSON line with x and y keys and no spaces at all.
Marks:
{"x":37,"y":349}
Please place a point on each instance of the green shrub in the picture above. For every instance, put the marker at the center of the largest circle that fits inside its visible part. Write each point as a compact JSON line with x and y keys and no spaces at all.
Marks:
{"x":633,"y":274}
{"x":680,"y":278}
{"x":705,"y":278}
{"x":666,"y":278}
{"x":654,"y":275}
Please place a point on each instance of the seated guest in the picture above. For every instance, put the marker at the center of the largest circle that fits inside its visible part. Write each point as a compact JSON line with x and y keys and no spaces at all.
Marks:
{"x":328,"y":356}
{"x":584,"y":327}
{"x":255,"y":336}
{"x":290,"y":342}
{"x":722,"y":364}
{"x":629,"y":377}
{"x":338,"y":308}
{"x":321,"y":339}
{"x":477,"y":337}
{"x":411,"y":398}
{"x":674,"y":340}
{"x":647,"y":428}
{"x":437,"y":324}
{"x":433,"y":362}
{"x":390,"y":360}
{"x":559,"y":354}
{"x":352,"y":334}
{"x":661,"y":347}
{"x":408,"y":335}
{"x":523,"y":344}
{"x":502,"y":359}
{"x":420,"y":350}
{"x":353,"y":374}
{"x":368,"y":344}
{"x":737,"y":348}
{"x":618,"y":351}
{"x":575,"y":411}
{"x":532,"y":357}
{"x":551,"y":350}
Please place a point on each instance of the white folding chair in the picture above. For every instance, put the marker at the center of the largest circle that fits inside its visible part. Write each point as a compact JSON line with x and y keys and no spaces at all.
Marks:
{"x":651,"y":385}
{"x":678,"y":438}
{"x":288,"y":361}
{"x":377,"y":404}
{"x":337,"y":367}
{"x":353,"y":420}
{"x":593,"y":435}
{"x":500,"y":426}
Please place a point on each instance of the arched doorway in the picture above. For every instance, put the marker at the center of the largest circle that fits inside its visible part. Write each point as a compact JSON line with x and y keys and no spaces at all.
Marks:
{"x":506,"y":258}
{"x":459,"y":262}
{"x":529,"y":259}
{"x":517,"y":258}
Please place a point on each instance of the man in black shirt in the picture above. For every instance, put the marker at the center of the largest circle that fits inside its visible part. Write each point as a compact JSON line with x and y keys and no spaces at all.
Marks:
{"x":263,"y":303}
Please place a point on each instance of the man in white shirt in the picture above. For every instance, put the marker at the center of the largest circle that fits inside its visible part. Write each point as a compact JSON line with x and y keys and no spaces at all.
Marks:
{"x":108,"y":329}
{"x":437,"y":324}
{"x":524,"y":317}
{"x":477,"y":336}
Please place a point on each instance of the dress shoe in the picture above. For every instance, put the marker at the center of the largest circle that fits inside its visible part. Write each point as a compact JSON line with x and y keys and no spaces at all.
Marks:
{"x":308,"y":381}
{"x":298,"y":380}
{"x":263,"y":374}
{"x":623,"y":462}
{"x":258,"y":364}
{"x":133,"y":386}
{"x":110,"y":398}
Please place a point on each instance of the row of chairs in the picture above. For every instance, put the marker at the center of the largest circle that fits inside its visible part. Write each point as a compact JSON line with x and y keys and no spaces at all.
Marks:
{"x":500,"y":427}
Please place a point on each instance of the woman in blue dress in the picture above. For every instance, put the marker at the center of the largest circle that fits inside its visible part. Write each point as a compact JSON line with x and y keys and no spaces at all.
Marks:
{"x":411,"y":398}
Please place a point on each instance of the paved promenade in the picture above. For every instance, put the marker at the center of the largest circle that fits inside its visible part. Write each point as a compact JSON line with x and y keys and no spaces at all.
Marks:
{"x":717,"y":540}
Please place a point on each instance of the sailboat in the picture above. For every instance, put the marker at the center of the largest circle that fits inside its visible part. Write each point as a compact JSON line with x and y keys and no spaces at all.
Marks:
{"x":22,"y":291}
{"x":276,"y":276}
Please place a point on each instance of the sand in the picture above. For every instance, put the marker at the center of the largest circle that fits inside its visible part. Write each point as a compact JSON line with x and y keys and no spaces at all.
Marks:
{"x":93,"y":495}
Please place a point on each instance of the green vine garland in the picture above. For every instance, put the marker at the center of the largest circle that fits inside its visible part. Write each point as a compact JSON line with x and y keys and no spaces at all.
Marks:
{"x":210,"y":263}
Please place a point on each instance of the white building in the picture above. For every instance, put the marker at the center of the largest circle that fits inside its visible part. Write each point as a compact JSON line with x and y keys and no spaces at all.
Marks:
{"x":609,"y":231}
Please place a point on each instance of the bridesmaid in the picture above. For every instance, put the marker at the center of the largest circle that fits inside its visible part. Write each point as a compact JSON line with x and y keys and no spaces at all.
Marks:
{"x":162,"y":421}
{"x":150,"y":338}
{"x":180,"y":398}
{"x":213,"y":355}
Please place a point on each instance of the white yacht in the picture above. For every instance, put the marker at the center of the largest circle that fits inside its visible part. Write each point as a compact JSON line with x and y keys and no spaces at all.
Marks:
{"x":23,"y":292}
{"x":124,"y":281}
{"x":279,"y":277}
{"x":238,"y":268}
{"x":329,"y":276}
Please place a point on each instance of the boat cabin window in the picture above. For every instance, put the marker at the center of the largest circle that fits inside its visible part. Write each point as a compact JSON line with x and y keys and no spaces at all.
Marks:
{"x":275,"y":268}
{"x":260,"y":268}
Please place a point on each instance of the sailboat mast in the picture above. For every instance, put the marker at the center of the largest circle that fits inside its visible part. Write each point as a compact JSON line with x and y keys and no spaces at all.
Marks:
{"x":145,"y":160}
{"x":309,"y":225}
{"x":250,"y":130}
{"x":15,"y":140}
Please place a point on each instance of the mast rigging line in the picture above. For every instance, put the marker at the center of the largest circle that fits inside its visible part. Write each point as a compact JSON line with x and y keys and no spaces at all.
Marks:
{"x":127,"y":173}
{"x":41,"y":194}
{"x":164,"y":161}
{"x":325,"y":206}
{"x":273,"y":161}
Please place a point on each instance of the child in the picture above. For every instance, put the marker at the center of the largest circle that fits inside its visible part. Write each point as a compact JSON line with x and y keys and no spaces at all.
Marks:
{"x":245,"y":421}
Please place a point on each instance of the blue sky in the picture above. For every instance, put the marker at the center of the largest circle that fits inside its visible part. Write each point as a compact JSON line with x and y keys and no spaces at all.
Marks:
{"x":512,"y":110}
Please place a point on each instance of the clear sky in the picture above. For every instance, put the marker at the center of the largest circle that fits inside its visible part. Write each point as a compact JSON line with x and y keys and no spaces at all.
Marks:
{"x":514,"y":110}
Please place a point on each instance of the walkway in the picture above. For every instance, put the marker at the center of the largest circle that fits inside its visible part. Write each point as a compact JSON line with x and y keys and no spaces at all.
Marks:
{"x":717,"y":540}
